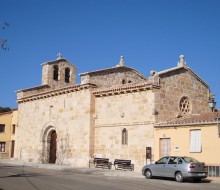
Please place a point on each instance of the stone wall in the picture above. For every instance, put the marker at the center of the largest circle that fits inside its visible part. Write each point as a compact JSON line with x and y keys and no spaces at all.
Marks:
{"x":69,"y":115}
{"x":175,"y":85}
{"x":113,"y":77}
{"x":132,"y":111}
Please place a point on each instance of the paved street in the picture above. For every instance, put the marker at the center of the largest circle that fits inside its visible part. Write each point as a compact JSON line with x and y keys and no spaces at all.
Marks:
{"x":14,"y":177}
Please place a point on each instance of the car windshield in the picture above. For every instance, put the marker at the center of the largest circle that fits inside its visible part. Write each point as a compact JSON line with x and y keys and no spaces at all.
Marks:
{"x":189,"y":159}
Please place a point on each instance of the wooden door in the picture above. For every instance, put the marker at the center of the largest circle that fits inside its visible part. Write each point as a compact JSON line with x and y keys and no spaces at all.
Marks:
{"x":12,"y":148}
{"x":164,"y":147}
{"x":53,"y":147}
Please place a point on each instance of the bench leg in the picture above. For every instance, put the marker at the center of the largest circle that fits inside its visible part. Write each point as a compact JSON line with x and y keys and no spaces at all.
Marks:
{"x":109,"y":166}
{"x":90,"y":164}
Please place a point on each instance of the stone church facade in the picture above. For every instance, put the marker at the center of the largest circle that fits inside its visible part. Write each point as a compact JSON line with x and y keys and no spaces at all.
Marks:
{"x":110,"y":114}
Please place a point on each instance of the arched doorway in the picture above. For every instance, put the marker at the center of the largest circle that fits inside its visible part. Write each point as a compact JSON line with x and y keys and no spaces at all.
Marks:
{"x":53,"y":147}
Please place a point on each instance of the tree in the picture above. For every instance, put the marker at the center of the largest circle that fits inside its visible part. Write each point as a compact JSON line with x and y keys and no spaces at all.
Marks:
{"x":3,"y":42}
{"x":5,"y":109}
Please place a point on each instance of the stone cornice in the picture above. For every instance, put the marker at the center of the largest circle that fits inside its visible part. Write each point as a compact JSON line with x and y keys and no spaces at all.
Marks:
{"x":55,"y":92}
{"x":124,"y":89}
{"x":45,"y":86}
{"x":123,"y":124}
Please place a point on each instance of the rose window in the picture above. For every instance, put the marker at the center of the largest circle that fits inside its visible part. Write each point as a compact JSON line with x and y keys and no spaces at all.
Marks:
{"x":185,"y":105}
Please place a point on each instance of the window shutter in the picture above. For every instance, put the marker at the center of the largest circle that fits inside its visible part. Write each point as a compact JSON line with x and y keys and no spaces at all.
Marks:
{"x":195,"y":141}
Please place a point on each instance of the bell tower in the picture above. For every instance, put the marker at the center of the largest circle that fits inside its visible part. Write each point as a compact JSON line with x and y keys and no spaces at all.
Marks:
{"x":58,"y":73}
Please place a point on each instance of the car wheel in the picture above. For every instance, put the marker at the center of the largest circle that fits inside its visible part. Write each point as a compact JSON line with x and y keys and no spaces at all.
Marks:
{"x":148,"y":174}
{"x":179,"y":177}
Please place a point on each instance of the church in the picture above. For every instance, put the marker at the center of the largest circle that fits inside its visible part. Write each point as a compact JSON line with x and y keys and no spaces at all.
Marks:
{"x":110,"y":114}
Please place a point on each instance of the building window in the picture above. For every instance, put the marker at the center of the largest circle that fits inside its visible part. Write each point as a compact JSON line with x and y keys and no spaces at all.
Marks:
{"x":195,"y":141}
{"x":124,"y":136}
{"x":55,"y":72}
{"x":123,"y":81}
{"x":67,"y":75}
{"x":2,"y":128}
{"x":13,"y":129}
{"x":184,"y":105}
{"x":2,"y":146}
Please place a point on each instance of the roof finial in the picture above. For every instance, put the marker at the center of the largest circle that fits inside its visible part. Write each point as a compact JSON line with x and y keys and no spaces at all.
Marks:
{"x":121,"y":63}
{"x":59,"y":56}
{"x":181,"y":62}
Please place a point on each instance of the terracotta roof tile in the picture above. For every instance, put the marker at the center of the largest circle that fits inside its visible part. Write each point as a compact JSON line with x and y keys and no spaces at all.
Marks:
{"x":203,"y":118}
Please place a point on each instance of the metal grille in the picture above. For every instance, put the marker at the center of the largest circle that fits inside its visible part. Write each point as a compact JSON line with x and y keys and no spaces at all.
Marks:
{"x":214,"y":171}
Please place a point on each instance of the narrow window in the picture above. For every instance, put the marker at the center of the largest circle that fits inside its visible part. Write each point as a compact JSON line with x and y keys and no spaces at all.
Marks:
{"x":2,"y":146}
{"x":13,"y":129}
{"x":123,"y":81}
{"x":55,"y":72}
{"x":2,"y":128}
{"x":124,"y":136}
{"x":67,"y":75}
{"x":195,"y":141}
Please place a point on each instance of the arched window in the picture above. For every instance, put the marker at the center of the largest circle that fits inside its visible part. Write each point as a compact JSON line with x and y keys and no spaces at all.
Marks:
{"x":55,"y":72}
{"x":67,"y":75}
{"x":124,"y":136}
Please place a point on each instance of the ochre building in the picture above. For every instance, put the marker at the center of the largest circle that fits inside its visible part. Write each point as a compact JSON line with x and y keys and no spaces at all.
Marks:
{"x":195,"y":135}
{"x":8,"y":125}
{"x":110,"y":114}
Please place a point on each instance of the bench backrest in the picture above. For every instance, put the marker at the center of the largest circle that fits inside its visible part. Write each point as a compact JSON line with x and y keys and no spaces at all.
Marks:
{"x":100,"y":160}
{"x":120,"y":161}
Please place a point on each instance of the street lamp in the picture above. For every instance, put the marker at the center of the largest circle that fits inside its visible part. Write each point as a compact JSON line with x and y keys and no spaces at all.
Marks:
{"x":212,"y":105}
{"x":212,"y":102}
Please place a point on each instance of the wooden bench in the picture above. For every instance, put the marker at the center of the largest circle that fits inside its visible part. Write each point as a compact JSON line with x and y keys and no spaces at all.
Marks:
{"x":100,"y":162}
{"x":123,"y":164}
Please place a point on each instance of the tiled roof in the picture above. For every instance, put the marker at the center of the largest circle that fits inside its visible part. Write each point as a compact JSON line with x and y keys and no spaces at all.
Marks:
{"x":124,"y":88}
{"x":45,"y":86}
{"x":5,"y":113}
{"x":114,"y":69}
{"x":193,"y":119}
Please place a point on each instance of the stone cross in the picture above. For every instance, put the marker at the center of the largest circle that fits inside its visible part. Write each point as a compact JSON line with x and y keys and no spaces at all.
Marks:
{"x":59,"y":56}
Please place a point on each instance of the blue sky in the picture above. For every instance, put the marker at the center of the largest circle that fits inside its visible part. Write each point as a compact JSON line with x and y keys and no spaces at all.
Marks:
{"x":93,"y":34}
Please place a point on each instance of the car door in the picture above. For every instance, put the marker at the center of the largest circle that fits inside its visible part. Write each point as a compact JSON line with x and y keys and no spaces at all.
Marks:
{"x":171,"y":166}
{"x":160,"y":167}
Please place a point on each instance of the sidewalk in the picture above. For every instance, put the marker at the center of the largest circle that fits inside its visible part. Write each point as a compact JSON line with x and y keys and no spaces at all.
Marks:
{"x":96,"y":171}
